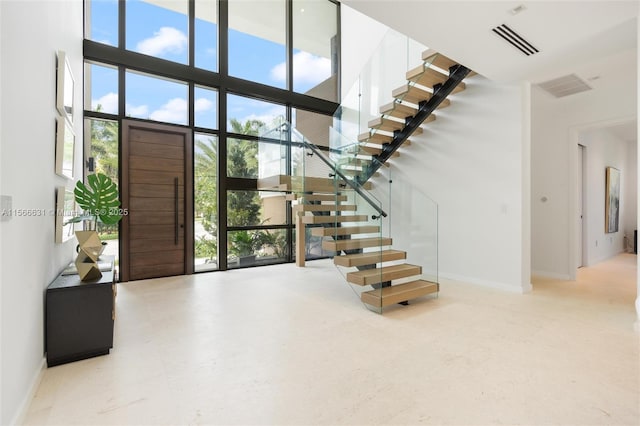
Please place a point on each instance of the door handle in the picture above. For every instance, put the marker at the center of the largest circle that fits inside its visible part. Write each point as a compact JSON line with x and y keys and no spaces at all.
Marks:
{"x":175,"y":208}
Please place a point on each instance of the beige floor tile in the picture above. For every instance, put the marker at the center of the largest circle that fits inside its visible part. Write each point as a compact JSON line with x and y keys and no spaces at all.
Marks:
{"x":286,"y":345}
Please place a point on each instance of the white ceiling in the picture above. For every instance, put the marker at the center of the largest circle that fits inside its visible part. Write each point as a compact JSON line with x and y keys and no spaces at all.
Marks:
{"x":567,"y":33}
{"x":596,"y":40}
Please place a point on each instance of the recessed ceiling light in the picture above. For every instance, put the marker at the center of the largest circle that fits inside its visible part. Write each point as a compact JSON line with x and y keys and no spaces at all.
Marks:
{"x":594,"y":78}
{"x":518,"y":9}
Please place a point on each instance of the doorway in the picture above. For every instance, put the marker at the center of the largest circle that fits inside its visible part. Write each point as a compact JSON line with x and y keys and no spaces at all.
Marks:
{"x":582,"y":210}
{"x":157,"y":195}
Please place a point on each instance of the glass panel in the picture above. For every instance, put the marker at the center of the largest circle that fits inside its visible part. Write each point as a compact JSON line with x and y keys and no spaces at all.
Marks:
{"x":247,"y":116}
{"x":256,"y":247}
{"x":206,"y":35}
{"x":155,"y":98}
{"x":101,"y":88}
{"x":242,"y":158}
{"x":101,"y":21}
{"x":206,"y":108}
{"x":244,"y":208}
{"x":206,"y":202}
{"x":251,"y":208}
{"x":315,"y":48}
{"x":103,"y":140}
{"x":314,"y":126}
{"x":257,"y":34}
{"x":274,"y":208}
{"x":158,"y":28}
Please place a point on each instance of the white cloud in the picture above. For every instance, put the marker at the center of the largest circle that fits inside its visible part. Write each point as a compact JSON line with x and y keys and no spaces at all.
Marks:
{"x":307,"y":68}
{"x":108,"y":103}
{"x":165,"y":40}
{"x":174,"y":111}
{"x":141,"y":111}
{"x":203,"y":104}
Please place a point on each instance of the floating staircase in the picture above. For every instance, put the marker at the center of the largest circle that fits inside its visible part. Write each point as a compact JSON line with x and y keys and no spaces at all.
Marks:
{"x":426,"y":90}
{"x":326,"y":204}
{"x":326,"y":210}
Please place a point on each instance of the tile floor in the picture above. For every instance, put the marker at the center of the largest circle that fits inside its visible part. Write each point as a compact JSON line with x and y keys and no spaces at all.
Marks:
{"x":283,"y":345}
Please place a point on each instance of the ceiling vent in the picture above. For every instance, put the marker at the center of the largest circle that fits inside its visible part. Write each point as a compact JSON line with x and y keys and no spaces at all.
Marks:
{"x":565,"y":86}
{"x":515,"y":39}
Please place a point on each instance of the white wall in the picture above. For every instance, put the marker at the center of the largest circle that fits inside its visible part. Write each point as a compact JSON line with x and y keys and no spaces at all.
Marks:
{"x":356,"y":49}
{"x":554,"y":137}
{"x":31,"y":33}
{"x":603,"y":149}
{"x":637,"y":324}
{"x":631,"y":194}
{"x":470,"y":161}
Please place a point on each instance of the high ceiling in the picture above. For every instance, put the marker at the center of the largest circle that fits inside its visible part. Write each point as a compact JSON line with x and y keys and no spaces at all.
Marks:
{"x":567,"y":33}
{"x":595,"y":40}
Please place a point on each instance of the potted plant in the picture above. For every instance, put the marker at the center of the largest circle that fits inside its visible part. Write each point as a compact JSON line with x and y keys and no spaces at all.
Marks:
{"x":244,"y":244}
{"x":99,"y":201}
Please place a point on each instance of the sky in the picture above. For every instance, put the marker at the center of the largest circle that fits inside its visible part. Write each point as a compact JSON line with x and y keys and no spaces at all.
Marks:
{"x":163,"y":33}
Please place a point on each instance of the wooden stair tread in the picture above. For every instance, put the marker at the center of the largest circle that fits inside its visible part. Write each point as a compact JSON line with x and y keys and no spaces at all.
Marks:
{"x":386,"y":273}
{"x":370,"y":150}
{"x":334,"y":219}
{"x":399,"y":293}
{"x":344,"y":230}
{"x":432,"y":57}
{"x":370,"y":258}
{"x":338,"y":245}
{"x":398,"y":110}
{"x":325,"y":207}
{"x":445,"y":103}
{"x":386,"y":124}
{"x":411,"y":93}
{"x":354,"y":161}
{"x":310,"y":184}
{"x":459,"y":88}
{"x":426,"y":76}
{"x":429,"y":119}
{"x":315,"y":197}
{"x":375,"y":137}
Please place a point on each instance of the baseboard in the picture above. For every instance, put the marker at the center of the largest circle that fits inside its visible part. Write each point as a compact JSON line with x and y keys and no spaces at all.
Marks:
{"x":554,"y":275}
{"x":517,"y":288}
{"x":21,"y":414}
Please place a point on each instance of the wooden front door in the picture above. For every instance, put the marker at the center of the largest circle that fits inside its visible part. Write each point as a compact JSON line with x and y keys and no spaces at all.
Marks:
{"x":157,"y":193}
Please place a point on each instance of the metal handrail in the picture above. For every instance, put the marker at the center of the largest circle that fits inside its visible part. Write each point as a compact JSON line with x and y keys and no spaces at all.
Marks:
{"x":353,"y":185}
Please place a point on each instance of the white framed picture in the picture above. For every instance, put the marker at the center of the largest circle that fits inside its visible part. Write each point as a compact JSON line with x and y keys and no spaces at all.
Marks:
{"x":65,"y":148}
{"x":64,"y":87}
{"x":65,"y":210}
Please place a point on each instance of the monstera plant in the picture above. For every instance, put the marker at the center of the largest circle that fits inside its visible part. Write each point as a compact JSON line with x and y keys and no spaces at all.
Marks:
{"x":99,"y":201}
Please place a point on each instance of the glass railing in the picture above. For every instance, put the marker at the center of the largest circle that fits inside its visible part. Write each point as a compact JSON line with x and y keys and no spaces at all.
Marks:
{"x":411,"y":221}
{"x":373,"y":85}
{"x":340,"y":216}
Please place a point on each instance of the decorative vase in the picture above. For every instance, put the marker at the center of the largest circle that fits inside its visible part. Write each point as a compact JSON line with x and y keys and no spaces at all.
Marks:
{"x":89,"y":249}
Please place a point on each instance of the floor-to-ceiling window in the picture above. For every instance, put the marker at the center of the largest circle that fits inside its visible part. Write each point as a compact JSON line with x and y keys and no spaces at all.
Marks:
{"x":228,"y":70}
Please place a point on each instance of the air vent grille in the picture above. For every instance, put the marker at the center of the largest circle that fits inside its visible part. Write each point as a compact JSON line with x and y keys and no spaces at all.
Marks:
{"x":515,"y":39}
{"x":565,"y":86}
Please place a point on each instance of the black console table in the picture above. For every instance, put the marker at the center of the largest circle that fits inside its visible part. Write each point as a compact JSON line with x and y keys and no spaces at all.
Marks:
{"x":80,"y":315}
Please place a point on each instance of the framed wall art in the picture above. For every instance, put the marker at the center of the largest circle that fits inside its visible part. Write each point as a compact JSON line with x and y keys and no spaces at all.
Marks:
{"x":65,"y":210}
{"x":612,"y":200}
{"x":64,"y":87}
{"x":65,"y":148}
